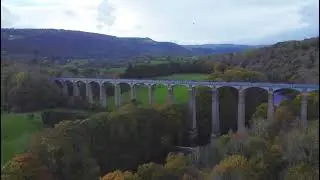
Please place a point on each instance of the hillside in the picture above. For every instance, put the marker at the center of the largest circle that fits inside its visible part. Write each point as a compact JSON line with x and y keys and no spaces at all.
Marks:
{"x":219,"y":48}
{"x":75,"y":44}
{"x":62,"y":44}
{"x":294,"y":61}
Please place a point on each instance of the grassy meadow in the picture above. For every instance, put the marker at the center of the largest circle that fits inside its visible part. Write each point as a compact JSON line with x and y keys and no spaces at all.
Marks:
{"x":16,"y":133}
{"x":160,"y":91}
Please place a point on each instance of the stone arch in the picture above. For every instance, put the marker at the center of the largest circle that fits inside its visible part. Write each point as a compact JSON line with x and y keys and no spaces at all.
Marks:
{"x":109,"y":93}
{"x":82,"y":88}
{"x":228,"y":107}
{"x":282,"y":94}
{"x":160,"y":92}
{"x":124,"y":92}
{"x":141,"y":92}
{"x":69,"y":85}
{"x":59,"y":83}
{"x":180,"y":93}
{"x":95,"y":90}
{"x":254,"y":96}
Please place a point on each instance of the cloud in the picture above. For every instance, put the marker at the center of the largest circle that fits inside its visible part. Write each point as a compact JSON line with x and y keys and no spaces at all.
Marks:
{"x":69,"y":12}
{"x":105,"y":15}
{"x":8,"y":19}
{"x":309,"y":18}
{"x":182,"y":21}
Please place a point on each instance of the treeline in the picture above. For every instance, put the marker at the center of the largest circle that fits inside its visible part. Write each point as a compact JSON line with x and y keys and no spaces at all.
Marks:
{"x":165,"y":69}
{"x":291,"y":61}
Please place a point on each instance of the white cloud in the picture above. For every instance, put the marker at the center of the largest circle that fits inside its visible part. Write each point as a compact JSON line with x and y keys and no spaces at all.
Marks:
{"x":182,"y":21}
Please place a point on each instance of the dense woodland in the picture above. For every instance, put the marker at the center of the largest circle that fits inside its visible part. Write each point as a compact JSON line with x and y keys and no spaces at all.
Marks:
{"x":292,"y":61}
{"x":136,"y":142}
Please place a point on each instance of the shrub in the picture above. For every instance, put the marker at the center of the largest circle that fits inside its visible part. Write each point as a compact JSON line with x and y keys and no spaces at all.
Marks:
{"x":302,"y":172}
{"x":234,"y":166}
{"x":25,"y":166}
{"x":117,"y":175}
{"x":52,"y":117}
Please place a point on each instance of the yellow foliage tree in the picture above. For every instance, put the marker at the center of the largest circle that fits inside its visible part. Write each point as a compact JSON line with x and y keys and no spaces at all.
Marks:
{"x":117,"y":175}
{"x":302,"y":172}
{"x":232,"y":166}
{"x":25,"y":166}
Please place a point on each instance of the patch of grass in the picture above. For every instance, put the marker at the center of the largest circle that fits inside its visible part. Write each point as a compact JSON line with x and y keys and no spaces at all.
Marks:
{"x":115,"y":70}
{"x":160,"y":91}
{"x":16,"y":133}
{"x":191,"y":76}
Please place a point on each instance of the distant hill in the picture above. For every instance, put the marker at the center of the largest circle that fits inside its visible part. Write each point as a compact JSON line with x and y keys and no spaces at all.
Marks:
{"x":62,"y":44}
{"x":293,"y":61}
{"x":219,"y":48}
{"x":77,"y":44}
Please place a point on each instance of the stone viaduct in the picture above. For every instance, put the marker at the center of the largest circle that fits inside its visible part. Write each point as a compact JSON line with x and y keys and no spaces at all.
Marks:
{"x":304,"y":89}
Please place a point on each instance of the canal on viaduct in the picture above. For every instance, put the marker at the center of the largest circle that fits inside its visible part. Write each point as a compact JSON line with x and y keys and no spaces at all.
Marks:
{"x":304,"y":89}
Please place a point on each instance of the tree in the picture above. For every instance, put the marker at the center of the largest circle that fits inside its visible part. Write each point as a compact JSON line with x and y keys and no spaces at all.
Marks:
{"x":32,"y":92}
{"x":25,"y":166}
{"x":65,"y":151}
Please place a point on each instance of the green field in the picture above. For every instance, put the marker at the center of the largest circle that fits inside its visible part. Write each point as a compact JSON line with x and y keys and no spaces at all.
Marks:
{"x":115,"y":70}
{"x":160,"y":91}
{"x":16,"y":132}
{"x":185,"y":77}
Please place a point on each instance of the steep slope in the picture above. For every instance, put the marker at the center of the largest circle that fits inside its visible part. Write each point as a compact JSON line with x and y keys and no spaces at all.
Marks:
{"x":294,"y":61}
{"x":75,"y":44}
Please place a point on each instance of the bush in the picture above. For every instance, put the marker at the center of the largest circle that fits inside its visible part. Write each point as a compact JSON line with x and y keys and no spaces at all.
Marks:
{"x":117,"y":175}
{"x":52,"y":117}
{"x":232,"y":167}
{"x":25,"y":166}
{"x":32,"y":92}
{"x":302,"y":172}
{"x":65,"y":150}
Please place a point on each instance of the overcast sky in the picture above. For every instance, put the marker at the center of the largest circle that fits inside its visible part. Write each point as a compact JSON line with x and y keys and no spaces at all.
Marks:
{"x":180,"y":21}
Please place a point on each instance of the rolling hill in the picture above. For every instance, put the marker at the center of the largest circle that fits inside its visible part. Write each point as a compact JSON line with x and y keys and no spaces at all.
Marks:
{"x":220,"y":48}
{"x":293,"y":61}
{"x":62,"y":44}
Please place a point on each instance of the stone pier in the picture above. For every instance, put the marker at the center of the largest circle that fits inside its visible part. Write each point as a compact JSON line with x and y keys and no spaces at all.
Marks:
{"x":270,"y":115}
{"x":117,"y":95}
{"x":150,"y":94}
{"x":241,"y":111}
{"x":76,"y":91}
{"x":215,"y":113}
{"x":89,"y":93}
{"x":103,"y":95}
{"x":304,"y":109}
{"x":170,"y":98}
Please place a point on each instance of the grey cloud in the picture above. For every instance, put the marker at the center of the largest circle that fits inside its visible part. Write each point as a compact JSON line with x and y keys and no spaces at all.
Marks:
{"x":106,"y":15}
{"x":8,"y":19}
{"x":69,"y":13}
{"x":309,"y":15}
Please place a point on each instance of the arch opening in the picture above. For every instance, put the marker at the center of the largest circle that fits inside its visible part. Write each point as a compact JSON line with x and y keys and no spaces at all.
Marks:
{"x":255,"y":97}
{"x":160,"y":93}
{"x":58,"y":83}
{"x":125,"y":93}
{"x":95,"y":89}
{"x":82,"y":89}
{"x":228,"y":108}
{"x":69,"y":85}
